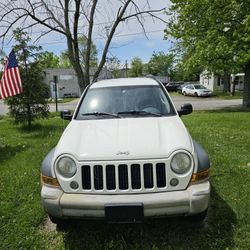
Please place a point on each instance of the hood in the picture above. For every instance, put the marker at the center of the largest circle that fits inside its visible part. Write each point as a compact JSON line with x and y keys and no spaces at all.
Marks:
{"x":126,"y":138}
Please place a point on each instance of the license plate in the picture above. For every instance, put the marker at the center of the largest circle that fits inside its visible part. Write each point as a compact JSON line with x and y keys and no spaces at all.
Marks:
{"x":124,"y":213}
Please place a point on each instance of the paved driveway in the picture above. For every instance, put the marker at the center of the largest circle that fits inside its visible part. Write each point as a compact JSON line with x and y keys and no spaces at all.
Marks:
{"x":198,"y":103}
{"x":3,"y":108}
{"x":206,"y":103}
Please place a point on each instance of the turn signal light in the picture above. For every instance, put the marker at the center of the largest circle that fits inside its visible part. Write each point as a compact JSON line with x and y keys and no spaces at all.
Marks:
{"x":49,"y":181}
{"x":200,"y":175}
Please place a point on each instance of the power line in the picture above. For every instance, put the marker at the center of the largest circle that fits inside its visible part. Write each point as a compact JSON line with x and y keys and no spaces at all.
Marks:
{"x":101,"y":38}
{"x":97,"y":24}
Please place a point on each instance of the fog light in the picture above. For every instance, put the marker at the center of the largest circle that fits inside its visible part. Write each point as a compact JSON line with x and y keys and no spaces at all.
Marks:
{"x":74,"y":185}
{"x":174,"y":182}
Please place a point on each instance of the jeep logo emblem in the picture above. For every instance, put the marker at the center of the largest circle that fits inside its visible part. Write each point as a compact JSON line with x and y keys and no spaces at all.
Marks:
{"x":122,"y":153}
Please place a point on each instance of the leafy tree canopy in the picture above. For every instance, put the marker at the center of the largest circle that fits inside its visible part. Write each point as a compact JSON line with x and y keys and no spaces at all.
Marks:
{"x":136,"y":67}
{"x":49,"y":60}
{"x":214,"y":35}
{"x":113,"y":64}
{"x":160,"y":64}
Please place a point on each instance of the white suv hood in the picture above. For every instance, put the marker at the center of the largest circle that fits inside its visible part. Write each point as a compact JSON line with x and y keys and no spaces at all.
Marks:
{"x":125,"y":138}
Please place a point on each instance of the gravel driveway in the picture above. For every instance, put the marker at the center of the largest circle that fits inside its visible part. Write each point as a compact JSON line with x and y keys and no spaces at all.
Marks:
{"x":199,"y":103}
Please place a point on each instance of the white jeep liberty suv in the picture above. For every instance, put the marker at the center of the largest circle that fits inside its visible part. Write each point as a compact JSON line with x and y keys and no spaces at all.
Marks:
{"x":125,"y":156}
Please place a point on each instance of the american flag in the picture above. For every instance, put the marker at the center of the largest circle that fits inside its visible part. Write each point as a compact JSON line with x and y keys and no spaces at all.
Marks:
{"x":11,"y":83}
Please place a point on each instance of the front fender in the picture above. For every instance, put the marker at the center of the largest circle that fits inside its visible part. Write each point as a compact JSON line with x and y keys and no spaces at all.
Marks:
{"x":46,"y":167}
{"x":202,"y":156}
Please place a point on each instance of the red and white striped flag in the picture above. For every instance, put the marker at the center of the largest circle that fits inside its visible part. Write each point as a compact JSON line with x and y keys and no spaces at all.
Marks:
{"x":11,"y":83}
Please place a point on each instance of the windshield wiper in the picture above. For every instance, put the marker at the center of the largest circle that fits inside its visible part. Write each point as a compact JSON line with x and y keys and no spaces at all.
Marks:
{"x":137,"y":112}
{"x":101,"y":114}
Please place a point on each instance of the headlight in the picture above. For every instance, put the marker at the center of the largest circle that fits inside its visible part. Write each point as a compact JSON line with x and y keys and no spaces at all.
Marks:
{"x":66,"y":167}
{"x":181,"y":163}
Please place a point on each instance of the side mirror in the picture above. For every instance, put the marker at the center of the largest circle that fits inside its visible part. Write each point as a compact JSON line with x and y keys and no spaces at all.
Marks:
{"x":66,"y":115}
{"x":186,"y":109}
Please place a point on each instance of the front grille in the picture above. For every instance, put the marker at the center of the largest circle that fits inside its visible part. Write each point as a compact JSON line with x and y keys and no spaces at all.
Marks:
{"x":124,"y":177}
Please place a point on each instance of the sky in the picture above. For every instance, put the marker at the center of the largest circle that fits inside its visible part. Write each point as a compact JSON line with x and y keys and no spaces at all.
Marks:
{"x":129,"y":40}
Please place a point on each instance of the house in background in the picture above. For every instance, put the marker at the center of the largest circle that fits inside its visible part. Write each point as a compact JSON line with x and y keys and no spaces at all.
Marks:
{"x":215,"y":83}
{"x":67,"y":84}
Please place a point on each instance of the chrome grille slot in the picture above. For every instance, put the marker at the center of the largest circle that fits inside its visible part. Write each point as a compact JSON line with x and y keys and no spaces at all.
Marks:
{"x":135,"y":176}
{"x":148,"y":175}
{"x":86,"y":181}
{"x":98,"y":177}
{"x":123,"y":176}
{"x":161,"y":175}
{"x":110,"y":177}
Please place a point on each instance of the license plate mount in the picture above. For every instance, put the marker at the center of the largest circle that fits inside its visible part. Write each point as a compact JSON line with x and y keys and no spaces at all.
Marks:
{"x":124,"y":213}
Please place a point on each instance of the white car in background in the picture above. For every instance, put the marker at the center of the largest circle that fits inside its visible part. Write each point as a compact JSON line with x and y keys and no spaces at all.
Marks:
{"x":196,"y":90}
{"x":125,"y":156}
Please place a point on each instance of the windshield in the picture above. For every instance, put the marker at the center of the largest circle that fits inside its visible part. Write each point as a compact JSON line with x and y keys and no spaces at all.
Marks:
{"x":124,"y":101}
{"x":199,"y":87}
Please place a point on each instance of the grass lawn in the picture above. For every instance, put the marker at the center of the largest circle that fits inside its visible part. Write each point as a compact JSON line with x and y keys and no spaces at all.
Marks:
{"x":228,"y":96}
{"x":224,"y":134}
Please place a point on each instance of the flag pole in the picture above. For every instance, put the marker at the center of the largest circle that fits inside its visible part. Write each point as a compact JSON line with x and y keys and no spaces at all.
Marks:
{"x":55,"y":81}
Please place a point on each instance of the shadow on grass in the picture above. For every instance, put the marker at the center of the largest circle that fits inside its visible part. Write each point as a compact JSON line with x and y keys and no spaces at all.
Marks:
{"x":7,"y":152}
{"x":238,"y":108}
{"x":215,"y":232}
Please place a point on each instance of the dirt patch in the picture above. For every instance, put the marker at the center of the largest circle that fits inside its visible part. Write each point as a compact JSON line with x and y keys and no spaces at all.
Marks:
{"x":48,"y":226}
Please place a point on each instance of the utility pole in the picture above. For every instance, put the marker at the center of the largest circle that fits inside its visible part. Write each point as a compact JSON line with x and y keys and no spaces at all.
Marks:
{"x":55,"y":82}
{"x":126,"y":68}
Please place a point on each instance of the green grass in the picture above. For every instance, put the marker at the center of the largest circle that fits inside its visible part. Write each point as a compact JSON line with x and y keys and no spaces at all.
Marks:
{"x":228,"y":96}
{"x":173,"y":93}
{"x":224,"y":134}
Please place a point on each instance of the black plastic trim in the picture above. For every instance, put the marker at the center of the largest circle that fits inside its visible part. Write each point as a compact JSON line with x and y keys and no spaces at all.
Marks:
{"x":203,"y":159}
{"x":46,"y":167}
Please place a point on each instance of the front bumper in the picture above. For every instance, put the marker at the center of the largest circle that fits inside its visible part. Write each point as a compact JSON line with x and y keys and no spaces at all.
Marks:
{"x":205,"y":94}
{"x":193,"y":200}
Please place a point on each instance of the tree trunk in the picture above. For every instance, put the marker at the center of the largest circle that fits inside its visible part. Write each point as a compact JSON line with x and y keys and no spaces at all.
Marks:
{"x":82,"y":81}
{"x":233,"y":88}
{"x":232,"y":83}
{"x":226,"y":81}
{"x":29,"y":115}
{"x":246,"y":92}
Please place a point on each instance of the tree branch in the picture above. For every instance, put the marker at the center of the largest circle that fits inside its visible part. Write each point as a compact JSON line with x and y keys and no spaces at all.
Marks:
{"x":89,"y":39}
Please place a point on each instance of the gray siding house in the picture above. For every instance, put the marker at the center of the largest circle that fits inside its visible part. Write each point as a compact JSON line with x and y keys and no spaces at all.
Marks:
{"x":67,"y":81}
{"x":215,"y":83}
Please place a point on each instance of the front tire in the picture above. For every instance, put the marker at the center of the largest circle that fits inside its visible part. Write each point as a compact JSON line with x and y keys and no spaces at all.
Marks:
{"x":61,"y":223}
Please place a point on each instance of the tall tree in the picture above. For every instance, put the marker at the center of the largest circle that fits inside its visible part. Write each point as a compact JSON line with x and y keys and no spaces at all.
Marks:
{"x":64,"y":61}
{"x":49,"y":60}
{"x":113,"y":64}
{"x":215,"y":34}
{"x":71,"y":18}
{"x":31,"y":103}
{"x":65,"y":57}
{"x":161,"y":64}
{"x":83,"y":49}
{"x":136,"y":67}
